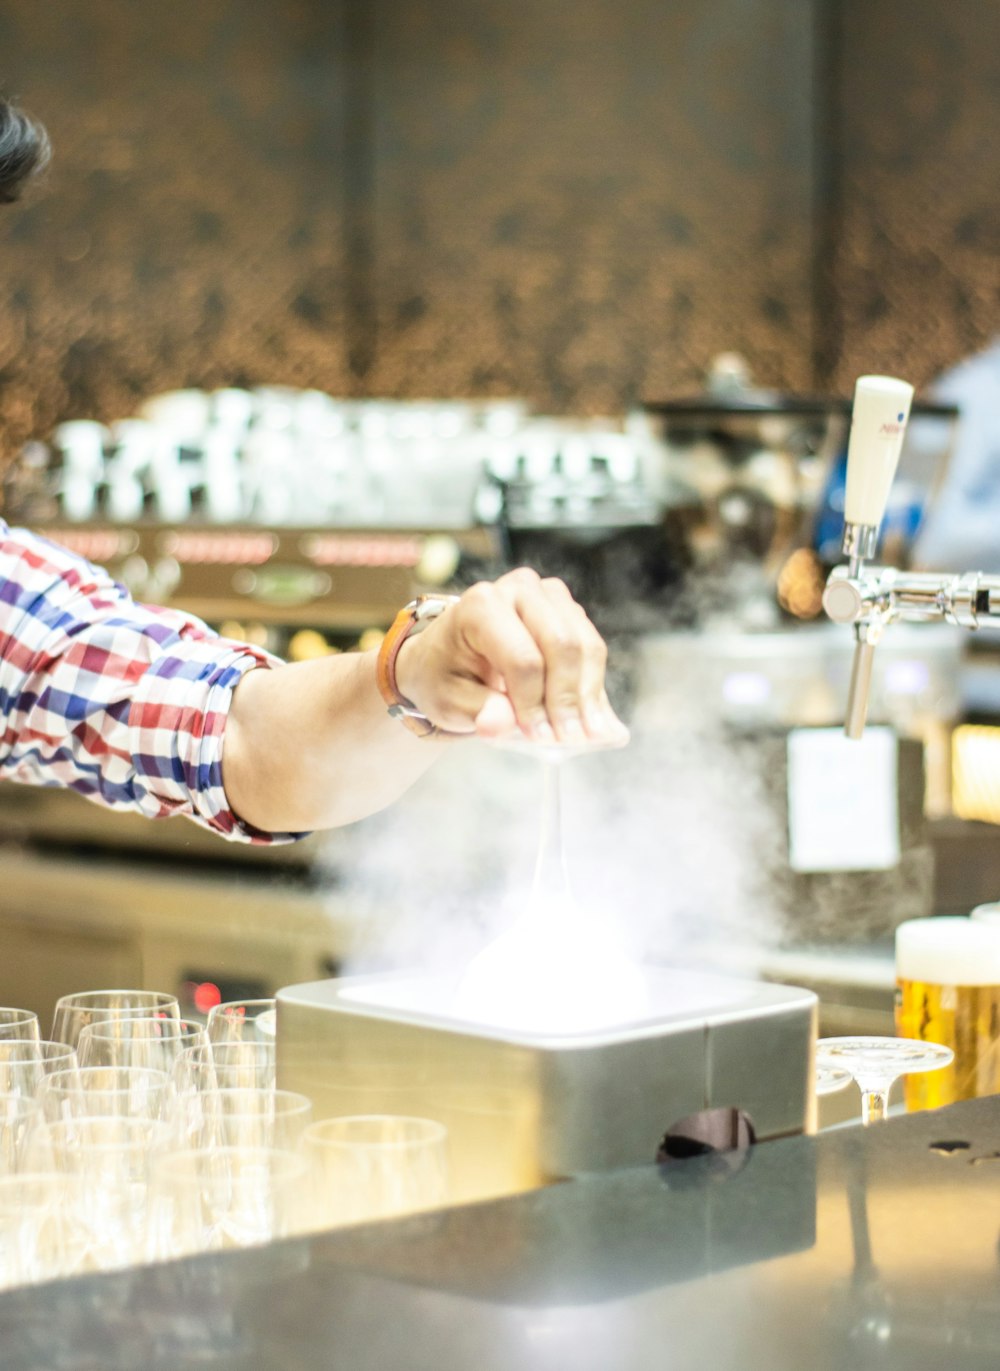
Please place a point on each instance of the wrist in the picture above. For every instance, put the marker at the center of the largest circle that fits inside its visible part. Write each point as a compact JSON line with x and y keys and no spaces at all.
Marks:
{"x":396,"y":654}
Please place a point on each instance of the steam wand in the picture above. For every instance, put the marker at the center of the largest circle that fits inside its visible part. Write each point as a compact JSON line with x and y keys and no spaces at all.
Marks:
{"x":872,"y":597}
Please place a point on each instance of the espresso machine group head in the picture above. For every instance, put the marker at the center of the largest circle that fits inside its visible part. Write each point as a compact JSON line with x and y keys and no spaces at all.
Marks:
{"x":872,"y":597}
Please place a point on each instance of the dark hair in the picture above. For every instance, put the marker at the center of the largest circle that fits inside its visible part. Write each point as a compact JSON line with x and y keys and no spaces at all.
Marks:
{"x":24,"y":150}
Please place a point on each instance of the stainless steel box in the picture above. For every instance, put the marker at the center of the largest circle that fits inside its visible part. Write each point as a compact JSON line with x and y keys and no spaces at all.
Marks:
{"x":523,"y":1110}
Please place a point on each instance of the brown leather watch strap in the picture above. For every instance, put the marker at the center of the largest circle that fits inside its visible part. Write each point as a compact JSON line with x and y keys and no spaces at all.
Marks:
{"x":410,"y":619}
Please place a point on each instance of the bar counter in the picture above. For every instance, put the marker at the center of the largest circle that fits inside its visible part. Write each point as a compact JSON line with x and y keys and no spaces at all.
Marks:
{"x":856,"y":1248}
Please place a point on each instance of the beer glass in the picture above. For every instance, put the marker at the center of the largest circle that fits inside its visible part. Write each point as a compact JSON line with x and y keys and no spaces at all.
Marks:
{"x":948,"y":992}
{"x":375,"y":1166}
{"x":876,"y":1063}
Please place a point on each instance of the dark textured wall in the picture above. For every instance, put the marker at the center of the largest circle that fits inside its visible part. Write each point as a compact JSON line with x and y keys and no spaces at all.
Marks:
{"x":585,"y":200}
{"x":191,"y":229}
{"x":580,"y":202}
{"x":918,"y":141}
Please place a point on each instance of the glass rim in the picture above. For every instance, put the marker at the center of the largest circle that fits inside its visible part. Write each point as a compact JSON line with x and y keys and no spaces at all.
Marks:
{"x":429,"y":1131}
{"x":293,"y":1100}
{"x":106,"y":1025}
{"x":80,"y":998}
{"x":37,"y":1046}
{"x":137,"y":1076}
{"x":218,"y":1009}
{"x":185,"y":1160}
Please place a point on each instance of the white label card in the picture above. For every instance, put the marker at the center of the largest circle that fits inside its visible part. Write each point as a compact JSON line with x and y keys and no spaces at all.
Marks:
{"x":843,"y":800}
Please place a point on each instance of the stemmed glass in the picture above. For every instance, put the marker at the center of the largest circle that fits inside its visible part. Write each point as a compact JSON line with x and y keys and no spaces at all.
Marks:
{"x":830,"y":1079}
{"x":557,"y":967}
{"x":876,"y":1063}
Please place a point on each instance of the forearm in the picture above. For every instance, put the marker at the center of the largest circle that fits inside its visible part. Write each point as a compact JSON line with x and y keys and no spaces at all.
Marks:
{"x":311,"y":746}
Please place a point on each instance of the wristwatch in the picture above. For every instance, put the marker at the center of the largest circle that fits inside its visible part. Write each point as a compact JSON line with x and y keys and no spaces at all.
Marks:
{"x":412,"y":618}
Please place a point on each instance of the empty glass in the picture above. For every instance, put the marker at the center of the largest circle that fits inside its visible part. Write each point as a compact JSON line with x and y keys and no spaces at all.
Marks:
{"x":35,"y":1228}
{"x":830,"y":1079}
{"x":226,"y":1066}
{"x":224,"y":1197}
{"x":24,"y":1064}
{"x":109,"y":1159}
{"x":19,"y":1118}
{"x":152,"y":1043}
{"x":245,"y":1118}
{"x":374,"y":1166}
{"x":18,"y":1025}
{"x":111,"y":1091}
{"x":876,"y":1063}
{"x":74,"y":1012}
{"x":242,"y":1021}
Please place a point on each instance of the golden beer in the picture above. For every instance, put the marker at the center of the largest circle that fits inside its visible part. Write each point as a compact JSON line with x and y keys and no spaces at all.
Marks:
{"x":948,"y":991}
{"x":965,"y":1018}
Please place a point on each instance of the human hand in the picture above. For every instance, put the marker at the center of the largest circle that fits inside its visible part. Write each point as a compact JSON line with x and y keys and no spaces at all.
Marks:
{"x":515,"y":654}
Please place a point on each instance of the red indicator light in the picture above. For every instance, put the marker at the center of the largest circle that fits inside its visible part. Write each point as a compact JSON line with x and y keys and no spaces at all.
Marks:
{"x":206,"y":996}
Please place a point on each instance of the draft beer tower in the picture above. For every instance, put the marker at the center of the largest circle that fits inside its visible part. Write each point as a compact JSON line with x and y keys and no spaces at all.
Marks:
{"x":872,"y":597}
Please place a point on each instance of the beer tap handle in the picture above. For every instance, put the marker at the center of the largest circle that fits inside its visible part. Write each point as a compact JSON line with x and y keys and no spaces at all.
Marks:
{"x":861,"y":678}
{"x":878,"y":422}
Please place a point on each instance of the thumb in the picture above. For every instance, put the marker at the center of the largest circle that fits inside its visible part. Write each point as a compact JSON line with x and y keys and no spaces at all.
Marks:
{"x":496,"y":716}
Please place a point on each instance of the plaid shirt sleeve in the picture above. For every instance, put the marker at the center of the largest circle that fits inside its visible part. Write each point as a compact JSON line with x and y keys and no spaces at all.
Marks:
{"x":124,"y":703}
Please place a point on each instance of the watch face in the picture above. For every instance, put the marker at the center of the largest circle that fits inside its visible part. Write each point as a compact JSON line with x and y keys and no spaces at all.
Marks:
{"x":431,"y":606}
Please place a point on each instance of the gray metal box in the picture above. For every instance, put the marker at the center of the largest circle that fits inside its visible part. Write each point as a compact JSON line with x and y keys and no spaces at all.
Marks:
{"x":523,"y":1110}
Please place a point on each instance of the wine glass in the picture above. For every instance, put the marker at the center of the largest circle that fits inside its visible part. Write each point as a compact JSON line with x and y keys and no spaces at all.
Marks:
{"x":226,"y":1066}
{"x":876,"y":1063}
{"x":830,"y":1079}
{"x":19,"y":1025}
{"x":34,"y":1228}
{"x":105,"y":1091}
{"x":74,"y":1012}
{"x":375,"y":1166}
{"x":215,"y":1198}
{"x":242,"y":1021}
{"x":154,"y":1043}
{"x":265,"y":1118}
{"x":24,"y":1064}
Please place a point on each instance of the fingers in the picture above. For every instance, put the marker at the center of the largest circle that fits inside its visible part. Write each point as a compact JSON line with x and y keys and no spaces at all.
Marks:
{"x":549,"y":655}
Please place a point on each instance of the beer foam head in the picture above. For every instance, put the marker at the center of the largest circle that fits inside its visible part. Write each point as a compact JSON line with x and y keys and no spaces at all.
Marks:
{"x":948,"y":951}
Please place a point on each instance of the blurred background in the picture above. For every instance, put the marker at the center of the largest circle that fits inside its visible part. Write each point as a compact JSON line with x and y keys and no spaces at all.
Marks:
{"x":579,"y":203}
{"x":326,"y":301}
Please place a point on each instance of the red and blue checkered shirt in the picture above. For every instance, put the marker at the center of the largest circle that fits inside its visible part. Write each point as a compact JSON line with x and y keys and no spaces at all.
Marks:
{"x":125,"y":703}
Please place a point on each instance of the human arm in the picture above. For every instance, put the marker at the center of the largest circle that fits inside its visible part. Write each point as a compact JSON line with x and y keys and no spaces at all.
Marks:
{"x":145,"y":709}
{"x":311,"y":745}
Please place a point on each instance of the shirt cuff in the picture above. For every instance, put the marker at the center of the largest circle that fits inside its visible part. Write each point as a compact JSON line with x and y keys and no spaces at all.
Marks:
{"x":176,"y":727}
